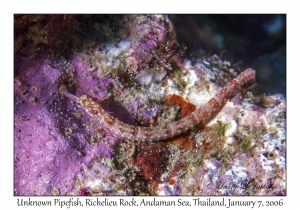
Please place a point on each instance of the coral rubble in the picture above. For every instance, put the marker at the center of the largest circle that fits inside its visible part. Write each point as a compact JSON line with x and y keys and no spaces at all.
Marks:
{"x":134,"y":67}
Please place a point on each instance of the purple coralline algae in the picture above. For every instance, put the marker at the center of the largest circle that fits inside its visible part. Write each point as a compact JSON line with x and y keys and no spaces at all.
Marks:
{"x":133,"y":66}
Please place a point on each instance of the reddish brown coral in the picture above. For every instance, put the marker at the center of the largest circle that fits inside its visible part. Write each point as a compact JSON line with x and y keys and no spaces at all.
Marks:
{"x":186,"y":107}
{"x":152,"y":160}
{"x":183,"y":141}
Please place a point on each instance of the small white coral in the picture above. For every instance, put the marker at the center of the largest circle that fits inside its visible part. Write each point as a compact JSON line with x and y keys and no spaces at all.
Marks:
{"x":114,"y":57}
{"x":149,"y":76}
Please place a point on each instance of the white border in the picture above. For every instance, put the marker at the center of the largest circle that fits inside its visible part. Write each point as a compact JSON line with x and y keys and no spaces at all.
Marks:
{"x":8,"y":8}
